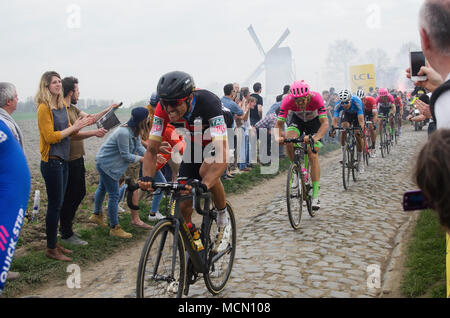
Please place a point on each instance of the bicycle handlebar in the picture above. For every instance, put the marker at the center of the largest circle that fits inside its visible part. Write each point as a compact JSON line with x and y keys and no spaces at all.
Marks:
{"x":301,"y":140}
{"x":198,"y":189}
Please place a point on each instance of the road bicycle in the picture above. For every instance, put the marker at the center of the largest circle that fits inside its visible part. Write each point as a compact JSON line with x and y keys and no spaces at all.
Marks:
{"x":367,"y":143}
{"x":385,"y":136}
{"x":172,"y":259}
{"x":349,"y":160}
{"x":299,"y":184}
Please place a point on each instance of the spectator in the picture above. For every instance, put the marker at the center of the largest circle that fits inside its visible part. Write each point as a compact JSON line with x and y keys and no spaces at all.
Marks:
{"x":247,"y":103}
{"x":256,"y":112}
{"x":8,"y":105}
{"x":432,"y":174}
{"x":55,"y":131}
{"x":286,"y":89}
{"x":237,"y":97}
{"x":112,"y":160}
{"x":76,"y":184}
{"x":236,"y":111}
{"x":435,"y":40}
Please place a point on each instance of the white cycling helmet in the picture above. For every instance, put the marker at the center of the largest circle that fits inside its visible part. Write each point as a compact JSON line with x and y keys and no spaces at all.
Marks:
{"x":345,"y":95}
{"x":360,"y":93}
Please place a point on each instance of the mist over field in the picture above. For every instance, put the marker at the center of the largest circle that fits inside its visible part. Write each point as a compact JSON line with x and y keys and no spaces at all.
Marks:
{"x":119,"y":49}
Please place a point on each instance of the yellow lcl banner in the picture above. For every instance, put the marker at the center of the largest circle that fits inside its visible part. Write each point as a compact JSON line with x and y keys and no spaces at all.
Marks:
{"x":362,"y":76}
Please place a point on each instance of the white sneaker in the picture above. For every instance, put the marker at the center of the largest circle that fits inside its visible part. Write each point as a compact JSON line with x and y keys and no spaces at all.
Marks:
{"x":316,"y":203}
{"x":361,"y":168}
{"x":222,"y":219}
{"x":158,"y":216}
{"x":120,"y":209}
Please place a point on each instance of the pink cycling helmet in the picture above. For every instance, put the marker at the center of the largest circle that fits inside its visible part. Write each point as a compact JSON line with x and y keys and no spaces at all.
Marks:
{"x":299,"y":89}
{"x":383,"y":92}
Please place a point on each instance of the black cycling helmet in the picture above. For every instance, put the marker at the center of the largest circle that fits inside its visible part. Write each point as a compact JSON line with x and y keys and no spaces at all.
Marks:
{"x":175,"y":85}
{"x":154,"y":100}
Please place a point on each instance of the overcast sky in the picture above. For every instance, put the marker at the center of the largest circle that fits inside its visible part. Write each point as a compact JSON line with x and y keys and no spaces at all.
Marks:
{"x":119,"y":49}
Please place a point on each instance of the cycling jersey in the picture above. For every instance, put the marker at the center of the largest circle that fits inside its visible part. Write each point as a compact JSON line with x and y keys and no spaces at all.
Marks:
{"x":314,"y":109}
{"x":370,"y":104}
{"x":398,"y":104}
{"x":206,"y":106}
{"x":14,"y":192}
{"x":356,"y":108}
{"x":385,"y":103}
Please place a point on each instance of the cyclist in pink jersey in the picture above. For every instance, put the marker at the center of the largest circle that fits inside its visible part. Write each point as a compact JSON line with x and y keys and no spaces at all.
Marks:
{"x":309,"y":118}
{"x":386,"y":107}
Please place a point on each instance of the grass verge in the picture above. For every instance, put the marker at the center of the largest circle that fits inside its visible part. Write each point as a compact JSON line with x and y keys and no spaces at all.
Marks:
{"x":425,"y":263}
{"x":35,"y":269}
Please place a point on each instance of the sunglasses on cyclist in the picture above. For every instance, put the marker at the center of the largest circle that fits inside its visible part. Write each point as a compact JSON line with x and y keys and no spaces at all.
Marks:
{"x":301,"y":100}
{"x":345,"y":103}
{"x":172,"y":103}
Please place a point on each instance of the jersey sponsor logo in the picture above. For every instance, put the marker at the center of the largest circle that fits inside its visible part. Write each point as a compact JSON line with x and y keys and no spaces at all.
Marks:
{"x":7,"y":248}
{"x":218,"y":126}
{"x":157,"y":126}
{"x":3,"y":136}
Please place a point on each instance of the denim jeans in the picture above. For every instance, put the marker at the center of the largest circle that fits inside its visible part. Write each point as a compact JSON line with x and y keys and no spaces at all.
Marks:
{"x":157,"y":197}
{"x":244,"y":156}
{"x":75,"y":192}
{"x":107,"y":184}
{"x":55,"y":174}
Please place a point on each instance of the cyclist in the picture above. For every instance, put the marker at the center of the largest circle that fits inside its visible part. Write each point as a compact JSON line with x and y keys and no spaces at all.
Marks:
{"x":398,"y":111}
{"x":182,"y":106}
{"x":370,"y":114}
{"x":386,"y":107}
{"x":14,"y":191}
{"x":353,"y":115}
{"x":310,"y":118}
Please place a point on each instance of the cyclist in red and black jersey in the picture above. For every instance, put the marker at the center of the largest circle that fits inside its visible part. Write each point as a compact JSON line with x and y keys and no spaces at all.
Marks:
{"x":183,"y":106}
{"x":370,"y":114}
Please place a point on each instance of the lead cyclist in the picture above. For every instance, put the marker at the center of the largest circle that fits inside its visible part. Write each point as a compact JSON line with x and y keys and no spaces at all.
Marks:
{"x":310,"y":118}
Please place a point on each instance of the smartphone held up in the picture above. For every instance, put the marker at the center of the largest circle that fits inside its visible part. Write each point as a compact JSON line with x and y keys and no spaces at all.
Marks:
{"x":417,"y":60}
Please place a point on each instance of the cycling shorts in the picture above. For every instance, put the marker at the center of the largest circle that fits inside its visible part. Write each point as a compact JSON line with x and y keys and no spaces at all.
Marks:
{"x":193,"y":160}
{"x":351,"y":118}
{"x":304,"y":127}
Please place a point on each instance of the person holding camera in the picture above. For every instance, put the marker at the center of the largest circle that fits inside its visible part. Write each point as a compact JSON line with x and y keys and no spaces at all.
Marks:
{"x":432,"y":174}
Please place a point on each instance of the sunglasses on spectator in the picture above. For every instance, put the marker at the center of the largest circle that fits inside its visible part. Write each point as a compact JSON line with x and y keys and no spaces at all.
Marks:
{"x":172,"y":103}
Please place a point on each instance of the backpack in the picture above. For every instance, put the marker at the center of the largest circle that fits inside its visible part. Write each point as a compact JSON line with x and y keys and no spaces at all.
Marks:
{"x":434,"y":97}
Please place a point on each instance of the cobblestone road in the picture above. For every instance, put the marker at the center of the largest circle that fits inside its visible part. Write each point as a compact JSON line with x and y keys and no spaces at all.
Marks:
{"x":328,"y":257}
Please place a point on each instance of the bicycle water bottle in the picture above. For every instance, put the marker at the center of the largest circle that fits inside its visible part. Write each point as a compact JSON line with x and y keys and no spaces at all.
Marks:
{"x":196,"y":235}
{"x":305,"y":174}
{"x":37,"y":199}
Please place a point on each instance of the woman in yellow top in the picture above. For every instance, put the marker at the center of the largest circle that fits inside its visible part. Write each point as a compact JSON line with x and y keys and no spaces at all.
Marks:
{"x":55,"y":131}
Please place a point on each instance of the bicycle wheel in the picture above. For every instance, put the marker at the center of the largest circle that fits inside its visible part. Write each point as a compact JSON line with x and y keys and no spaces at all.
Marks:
{"x":354,"y":162}
{"x":388,"y":141}
{"x":220,"y":263}
{"x":155,"y":278}
{"x":307,"y":189}
{"x":294,"y":197}
{"x":382,"y":143}
{"x":366,"y":151}
{"x":346,"y":168}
